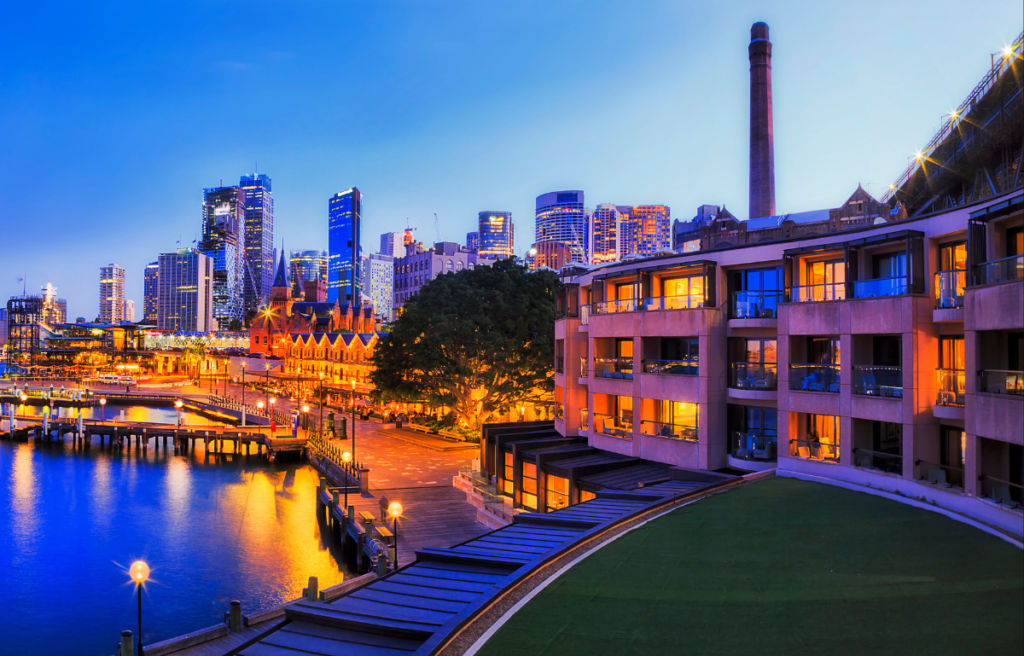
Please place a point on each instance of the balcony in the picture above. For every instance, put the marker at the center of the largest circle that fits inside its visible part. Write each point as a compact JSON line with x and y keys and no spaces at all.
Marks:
{"x":583,"y":367}
{"x":673,"y":302}
{"x":941,"y":475}
{"x":559,"y":411}
{"x":1002,"y":381}
{"x":873,"y":380}
{"x":670,"y":367}
{"x":891,"y":463}
{"x":950,"y":387}
{"x":584,"y":419}
{"x":949,"y":289}
{"x":881,"y":287}
{"x":621,"y":368}
{"x":616,"y":307}
{"x":1008,"y":268}
{"x":835,"y":291}
{"x":584,"y":315}
{"x":815,"y":450}
{"x":755,"y":305}
{"x":753,"y":376}
{"x":671,"y":431}
{"x":621,"y":427}
{"x":814,"y":378}
{"x":753,"y":446}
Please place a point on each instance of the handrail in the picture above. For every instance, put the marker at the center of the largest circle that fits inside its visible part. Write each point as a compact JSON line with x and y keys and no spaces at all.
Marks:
{"x":671,"y":367}
{"x":999,"y":480}
{"x":685,"y":432}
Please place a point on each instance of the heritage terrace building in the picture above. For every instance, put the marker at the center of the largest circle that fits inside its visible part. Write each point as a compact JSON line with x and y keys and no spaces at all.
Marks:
{"x":877,"y":352}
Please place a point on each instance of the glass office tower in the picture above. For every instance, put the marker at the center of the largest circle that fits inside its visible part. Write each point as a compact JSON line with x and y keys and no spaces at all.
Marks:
{"x":307,"y":265}
{"x":224,"y":243}
{"x":497,"y":234}
{"x":344,"y":216}
{"x":562,"y":218}
{"x":259,"y":239}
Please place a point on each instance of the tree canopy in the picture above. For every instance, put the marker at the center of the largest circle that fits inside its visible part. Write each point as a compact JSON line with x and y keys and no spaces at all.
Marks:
{"x":478,"y":341}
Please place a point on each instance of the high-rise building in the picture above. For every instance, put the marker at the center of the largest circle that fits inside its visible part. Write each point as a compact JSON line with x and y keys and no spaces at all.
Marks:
{"x":549,"y":254}
{"x":473,"y":241}
{"x":604,"y":234}
{"x":379,"y":283}
{"x":185,"y":291}
{"x":344,"y":216}
{"x":150,"y":293}
{"x":645,"y":230}
{"x":562,"y":218}
{"x":307,"y":266}
{"x":129,"y":310}
{"x":111,"y":294}
{"x":420,"y":266}
{"x":259,"y":240}
{"x":762,"y":148}
{"x":391,"y":243}
{"x":54,"y":310}
{"x":224,"y":242}
{"x":497,"y":235}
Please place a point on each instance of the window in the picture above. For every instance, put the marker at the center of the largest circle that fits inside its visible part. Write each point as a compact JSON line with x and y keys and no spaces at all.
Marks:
{"x":952,"y":446}
{"x":690,"y":288}
{"x":821,"y":438}
{"x":951,"y":352}
{"x":624,"y":410}
{"x":624,"y":347}
{"x":625,"y":291}
{"x":753,"y":363}
{"x":890,"y":265}
{"x":756,"y":293}
{"x":587,"y":496}
{"x":953,"y":257}
{"x":1015,"y":241}
{"x":459,"y":266}
{"x":557,"y":488}
{"x":824,"y":350}
{"x":828,"y":280}
{"x":680,"y":348}
{"x":753,"y":432}
{"x":678,"y":413}
{"x":530,"y":485}
{"x":449,"y":266}
{"x":508,"y":476}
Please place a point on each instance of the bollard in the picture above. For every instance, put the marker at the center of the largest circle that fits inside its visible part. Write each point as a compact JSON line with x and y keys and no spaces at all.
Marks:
{"x":311,"y":592}
{"x":127,"y":644}
{"x":382,"y":565}
{"x":235,"y":616}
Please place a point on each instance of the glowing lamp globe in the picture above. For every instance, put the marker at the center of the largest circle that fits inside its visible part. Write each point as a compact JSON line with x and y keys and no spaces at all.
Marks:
{"x":259,"y":404}
{"x":139,"y":572}
{"x":346,"y":457}
{"x":305,"y":408}
{"x":178,"y":404}
{"x":24,"y":398}
{"x":395,"y":509}
{"x":103,"y":402}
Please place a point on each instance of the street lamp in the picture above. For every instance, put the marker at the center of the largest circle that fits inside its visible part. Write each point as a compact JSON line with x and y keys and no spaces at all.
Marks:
{"x":305,"y":417}
{"x":395,"y":510}
{"x":346,"y":458}
{"x":266,"y":383}
{"x":259,"y":406}
{"x":243,"y":392}
{"x":353,"y":416}
{"x":140,"y":574}
{"x":321,"y":404}
{"x":177,"y":406}
{"x":103,"y":410}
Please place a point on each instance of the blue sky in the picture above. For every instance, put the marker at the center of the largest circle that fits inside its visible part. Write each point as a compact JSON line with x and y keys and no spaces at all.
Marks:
{"x":115,"y":117}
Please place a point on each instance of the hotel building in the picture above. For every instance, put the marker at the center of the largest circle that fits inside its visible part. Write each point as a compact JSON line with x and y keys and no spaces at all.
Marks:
{"x":111,"y":294}
{"x":185,"y":292}
{"x":604,"y":233}
{"x":644,"y":230}
{"x":150,"y":293}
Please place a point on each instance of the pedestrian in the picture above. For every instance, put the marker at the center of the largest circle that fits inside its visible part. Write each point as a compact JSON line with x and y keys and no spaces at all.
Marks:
{"x":383,"y":507}
{"x":127,"y":389}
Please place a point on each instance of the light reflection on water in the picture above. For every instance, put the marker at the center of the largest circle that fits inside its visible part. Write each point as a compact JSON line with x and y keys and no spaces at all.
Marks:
{"x":213,"y":528}
{"x":112,"y":412}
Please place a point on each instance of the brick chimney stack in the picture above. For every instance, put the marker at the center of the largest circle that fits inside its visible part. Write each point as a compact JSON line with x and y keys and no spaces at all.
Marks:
{"x":762,"y":150}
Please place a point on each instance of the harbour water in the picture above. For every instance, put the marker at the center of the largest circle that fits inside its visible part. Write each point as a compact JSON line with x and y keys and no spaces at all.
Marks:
{"x":212,"y":528}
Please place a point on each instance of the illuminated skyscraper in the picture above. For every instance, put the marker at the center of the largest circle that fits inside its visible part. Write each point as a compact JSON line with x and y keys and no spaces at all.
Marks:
{"x":150,"y":291}
{"x":307,"y":266}
{"x":185,"y":291}
{"x":111,"y":294}
{"x":645,"y":230}
{"x":562,"y":218}
{"x":224,"y":242}
{"x":259,"y":239}
{"x":344,"y":216}
{"x":497,"y":235}
{"x":604,"y":234}
{"x":473,"y":241}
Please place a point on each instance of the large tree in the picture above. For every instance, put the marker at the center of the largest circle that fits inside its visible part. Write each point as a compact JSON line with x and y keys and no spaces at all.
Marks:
{"x":478,"y":341}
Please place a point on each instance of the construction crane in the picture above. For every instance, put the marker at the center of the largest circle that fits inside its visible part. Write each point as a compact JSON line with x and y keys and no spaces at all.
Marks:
{"x":437,"y":227}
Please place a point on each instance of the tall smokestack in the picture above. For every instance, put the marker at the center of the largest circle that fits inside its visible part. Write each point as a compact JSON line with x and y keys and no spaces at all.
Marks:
{"x":762,"y":150}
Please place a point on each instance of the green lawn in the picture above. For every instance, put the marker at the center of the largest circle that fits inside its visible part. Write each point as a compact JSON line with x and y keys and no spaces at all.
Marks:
{"x":784,"y":567}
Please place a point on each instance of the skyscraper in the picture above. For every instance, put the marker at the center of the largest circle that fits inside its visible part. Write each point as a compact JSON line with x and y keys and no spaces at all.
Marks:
{"x":259,"y":239}
{"x":307,"y":266}
{"x":150,"y":293}
{"x":185,"y":291}
{"x":391,"y":244}
{"x":224,"y":243}
{"x":604,"y":234}
{"x":129,"y":310}
{"x":344,"y":216}
{"x":645,"y":230}
{"x":562,"y":218}
{"x":497,"y":234}
{"x":111,"y":294}
{"x":762,"y":149}
{"x":473,"y":241}
{"x":53,"y":310}
{"x":379,"y":281}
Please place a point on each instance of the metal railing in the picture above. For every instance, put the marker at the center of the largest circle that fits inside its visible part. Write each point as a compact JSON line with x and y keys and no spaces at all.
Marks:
{"x":754,"y":376}
{"x":941,"y":475}
{"x":950,"y":387}
{"x":754,"y":446}
{"x":1008,"y":268}
{"x":879,"y":287}
{"x":814,"y":377}
{"x":584,"y":419}
{"x":614,"y":307}
{"x":672,"y":367}
{"x":621,"y":368}
{"x":875,"y":380}
{"x":673,"y":302}
{"x":1002,"y":381}
{"x":949,"y":289}
{"x":834,"y":291}
{"x":583,"y":367}
{"x":891,"y":463}
{"x":815,"y":450}
{"x":614,"y":426}
{"x":669,"y":430}
{"x":755,"y":304}
{"x":1005,"y":492}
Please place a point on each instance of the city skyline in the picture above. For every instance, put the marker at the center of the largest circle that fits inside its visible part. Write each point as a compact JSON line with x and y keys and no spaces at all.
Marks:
{"x":701,"y":156}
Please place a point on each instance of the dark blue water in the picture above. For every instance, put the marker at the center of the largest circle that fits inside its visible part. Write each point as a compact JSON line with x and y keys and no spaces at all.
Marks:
{"x":212,"y":528}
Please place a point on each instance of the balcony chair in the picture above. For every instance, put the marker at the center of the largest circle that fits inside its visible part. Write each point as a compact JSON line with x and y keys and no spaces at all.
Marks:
{"x":1001,"y":495}
{"x":616,"y":374}
{"x":937,"y":477}
{"x":768,"y":382}
{"x":767,"y":453}
{"x":742,"y":380}
{"x":767,"y":313}
{"x":871,"y":386}
{"x":666,"y":432}
{"x":864,"y":460}
{"x":803,"y":452}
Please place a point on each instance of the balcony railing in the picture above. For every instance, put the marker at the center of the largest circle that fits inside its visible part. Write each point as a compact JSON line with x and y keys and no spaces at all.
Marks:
{"x":835,"y":291}
{"x":949,"y":289}
{"x":583,"y":367}
{"x":753,"y":375}
{"x":814,"y":377}
{"x":891,"y":463}
{"x":753,"y":446}
{"x":673,"y":302}
{"x":950,"y":384}
{"x":665,"y":429}
{"x":614,"y":426}
{"x":613,"y":368}
{"x":615,"y":307}
{"x":879,"y":287}
{"x":1008,"y":268}
{"x":941,"y":475}
{"x":815,"y":450}
{"x":872,"y":380}
{"x":584,"y":315}
{"x":671,"y":367}
{"x":1002,"y":381}
{"x":560,"y":364}
{"x":584,"y":419}
{"x":756,"y":304}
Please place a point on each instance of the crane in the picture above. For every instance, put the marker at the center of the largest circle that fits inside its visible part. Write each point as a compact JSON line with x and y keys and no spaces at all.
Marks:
{"x":437,"y":227}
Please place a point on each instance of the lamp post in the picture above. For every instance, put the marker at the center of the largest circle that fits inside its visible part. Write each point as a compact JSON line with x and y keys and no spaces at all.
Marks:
{"x":321,"y":404}
{"x":243,"y":392}
{"x":395,"y":510}
{"x":259,"y":407}
{"x":140,"y":574}
{"x":103,"y":410}
{"x":177,"y":406}
{"x":266,"y":383}
{"x":353,"y":418}
{"x":270,"y":408}
{"x":346,"y":458}
{"x":305,"y":417}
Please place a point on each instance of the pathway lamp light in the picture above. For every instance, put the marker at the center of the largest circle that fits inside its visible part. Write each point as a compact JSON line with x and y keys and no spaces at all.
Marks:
{"x":266,"y":385}
{"x":321,"y":402}
{"x":103,"y":411}
{"x":346,"y":458}
{"x":259,"y":406}
{"x":140,"y":574}
{"x":353,"y":417}
{"x":177,"y":406}
{"x":243,"y":392}
{"x":395,"y":511}
{"x":305,"y":417}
